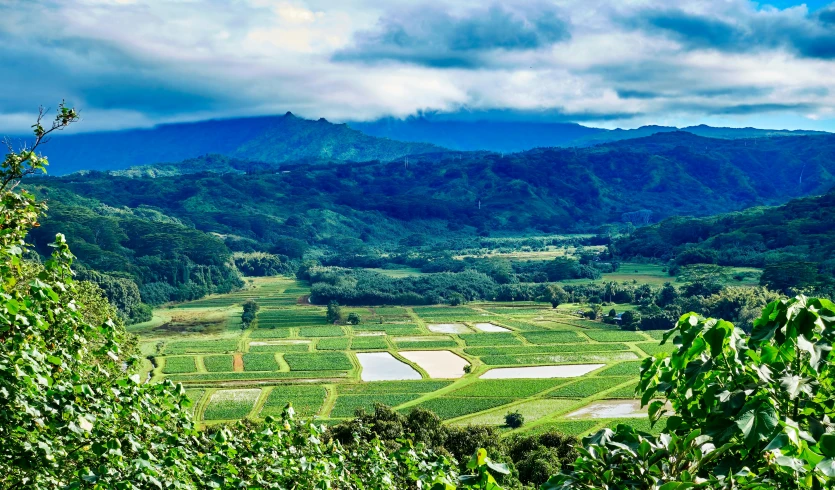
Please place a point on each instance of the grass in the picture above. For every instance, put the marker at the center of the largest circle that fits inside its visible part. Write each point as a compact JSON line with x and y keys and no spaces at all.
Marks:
{"x":490,"y":339}
{"x":260,"y":362}
{"x":256,"y":375}
{"x":383,"y":387}
{"x":553,"y":337}
{"x":389,"y":328}
{"x":451,"y":407}
{"x":653,"y":348}
{"x":218,"y":364}
{"x":517,"y":388}
{"x":567,"y":427}
{"x":270,"y":333}
{"x":346,"y":405}
{"x":306,"y":400}
{"x":230,"y":404}
{"x":328,"y":331}
{"x":627,"y":391}
{"x":532,"y":410}
{"x":614,"y":336}
{"x":333,"y":343}
{"x":320,"y":361}
{"x":537,"y":359}
{"x":370,"y":342}
{"x":622,"y":369}
{"x":179,"y":365}
{"x":587,"y":387}
{"x":301,"y":347}
{"x":544,"y":349}
{"x":427,"y":342}
{"x":200,"y":346}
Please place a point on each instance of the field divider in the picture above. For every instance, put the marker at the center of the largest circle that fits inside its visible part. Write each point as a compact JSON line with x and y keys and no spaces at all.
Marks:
{"x":330,"y":400}
{"x":201,"y":406}
{"x":396,"y":354}
{"x":199,"y":364}
{"x":259,"y":403}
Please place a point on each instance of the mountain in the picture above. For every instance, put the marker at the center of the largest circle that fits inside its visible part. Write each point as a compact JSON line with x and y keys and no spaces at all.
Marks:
{"x":511,"y":136}
{"x":271,"y":139}
{"x":548,"y":189}
{"x":500,"y":136}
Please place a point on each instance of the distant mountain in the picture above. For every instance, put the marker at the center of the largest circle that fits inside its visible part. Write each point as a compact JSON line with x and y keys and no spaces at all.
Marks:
{"x":500,"y":136}
{"x":701,"y":130}
{"x":271,"y":139}
{"x":510,"y":136}
{"x":548,"y":189}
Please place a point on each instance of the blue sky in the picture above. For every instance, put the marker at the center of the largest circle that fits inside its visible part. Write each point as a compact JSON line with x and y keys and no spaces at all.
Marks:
{"x":135,"y":63}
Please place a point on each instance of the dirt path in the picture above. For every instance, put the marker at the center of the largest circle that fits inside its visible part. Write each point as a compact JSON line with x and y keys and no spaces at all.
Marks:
{"x":238,"y":363}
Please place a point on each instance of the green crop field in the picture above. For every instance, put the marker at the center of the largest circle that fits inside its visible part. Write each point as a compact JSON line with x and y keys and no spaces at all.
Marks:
{"x":230,"y":404}
{"x":179,"y":365}
{"x":260,"y":362}
{"x":290,"y":354}
{"x":305,"y":399}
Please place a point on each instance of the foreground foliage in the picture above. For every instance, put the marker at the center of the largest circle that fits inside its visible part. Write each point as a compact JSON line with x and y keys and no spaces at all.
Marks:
{"x":750,"y":411}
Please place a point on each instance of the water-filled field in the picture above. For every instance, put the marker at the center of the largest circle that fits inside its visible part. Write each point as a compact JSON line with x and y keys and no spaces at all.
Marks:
{"x":469,"y":364}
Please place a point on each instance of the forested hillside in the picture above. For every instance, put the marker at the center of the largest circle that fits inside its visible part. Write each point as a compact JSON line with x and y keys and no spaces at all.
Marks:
{"x":795,"y":242}
{"x":268,"y":139}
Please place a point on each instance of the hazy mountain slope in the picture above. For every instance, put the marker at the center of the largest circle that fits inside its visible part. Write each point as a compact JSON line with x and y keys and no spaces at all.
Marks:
{"x":270,"y":139}
{"x":502,"y":136}
{"x":701,"y":130}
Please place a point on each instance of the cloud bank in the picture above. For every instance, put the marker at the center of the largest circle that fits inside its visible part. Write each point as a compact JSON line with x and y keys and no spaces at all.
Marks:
{"x":129,"y":63}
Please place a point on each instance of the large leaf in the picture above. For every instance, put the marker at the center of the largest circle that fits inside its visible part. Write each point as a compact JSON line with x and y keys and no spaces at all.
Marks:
{"x":757,"y":423}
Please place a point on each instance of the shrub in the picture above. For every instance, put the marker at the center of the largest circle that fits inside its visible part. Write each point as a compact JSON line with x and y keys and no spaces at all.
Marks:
{"x":514,"y":420}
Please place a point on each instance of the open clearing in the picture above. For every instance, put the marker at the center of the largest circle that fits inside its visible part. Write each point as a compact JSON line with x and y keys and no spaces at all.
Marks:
{"x":556,"y":368}
{"x":382,"y":366}
{"x":538,"y":372}
{"x":437,"y":363}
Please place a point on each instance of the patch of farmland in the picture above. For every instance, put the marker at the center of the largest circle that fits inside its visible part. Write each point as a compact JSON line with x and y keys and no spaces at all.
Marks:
{"x":451,"y":407}
{"x":260,"y":362}
{"x":231,"y":404}
{"x":306,"y":400}
{"x":218,"y":364}
{"x":179,"y":365}
{"x":531,"y":410}
{"x":389,"y":328}
{"x":382,"y":366}
{"x":615,"y":336}
{"x":544,"y":349}
{"x":538,"y":372}
{"x":346,"y":405}
{"x":654,"y":349}
{"x":411,"y":386}
{"x":624,"y":392}
{"x":588,"y":387}
{"x":426,"y":342}
{"x":270,"y":333}
{"x":369,"y":343}
{"x":297,"y":346}
{"x":256,"y":375}
{"x":490,"y":339}
{"x":290,"y":317}
{"x":522,"y":325}
{"x":438,"y":363}
{"x":579,"y":428}
{"x":577,"y":358}
{"x":194,"y":395}
{"x":607,"y":409}
{"x":516,"y":388}
{"x":319,"y":361}
{"x":333,"y":343}
{"x":490,"y":328}
{"x":328,"y":331}
{"x":553,"y":337}
{"x":200,"y":346}
{"x":623,"y":369}
{"x":655,"y":334}
{"x":448,"y":328}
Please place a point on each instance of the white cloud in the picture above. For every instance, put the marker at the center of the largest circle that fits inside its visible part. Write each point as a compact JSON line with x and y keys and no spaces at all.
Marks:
{"x":129,"y":63}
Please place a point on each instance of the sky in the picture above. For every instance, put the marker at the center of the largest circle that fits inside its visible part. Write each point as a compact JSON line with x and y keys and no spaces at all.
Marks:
{"x":626,"y":63}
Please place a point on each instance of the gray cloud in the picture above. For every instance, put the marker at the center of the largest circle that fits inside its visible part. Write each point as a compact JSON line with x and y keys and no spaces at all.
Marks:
{"x":434,"y":37}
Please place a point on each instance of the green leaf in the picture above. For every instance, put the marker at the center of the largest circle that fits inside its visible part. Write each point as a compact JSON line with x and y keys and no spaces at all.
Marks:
{"x":757,"y":423}
{"x":826,"y":445}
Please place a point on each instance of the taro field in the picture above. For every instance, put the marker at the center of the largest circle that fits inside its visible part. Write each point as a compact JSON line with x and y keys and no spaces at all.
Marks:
{"x":469,"y":364}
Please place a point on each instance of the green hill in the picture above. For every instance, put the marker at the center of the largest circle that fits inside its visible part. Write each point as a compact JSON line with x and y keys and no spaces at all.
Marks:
{"x":270,"y":139}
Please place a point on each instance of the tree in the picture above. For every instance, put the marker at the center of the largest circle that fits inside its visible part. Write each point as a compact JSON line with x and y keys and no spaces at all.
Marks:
{"x":787,"y":275}
{"x":629,"y":320}
{"x":354,"y":319}
{"x":514,"y":420}
{"x":667,"y":296}
{"x":250,"y":311}
{"x":554,"y":294}
{"x":334,"y":313}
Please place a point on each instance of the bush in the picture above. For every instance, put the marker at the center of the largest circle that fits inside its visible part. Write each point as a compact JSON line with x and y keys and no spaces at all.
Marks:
{"x":354,"y":319}
{"x":514,"y":420}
